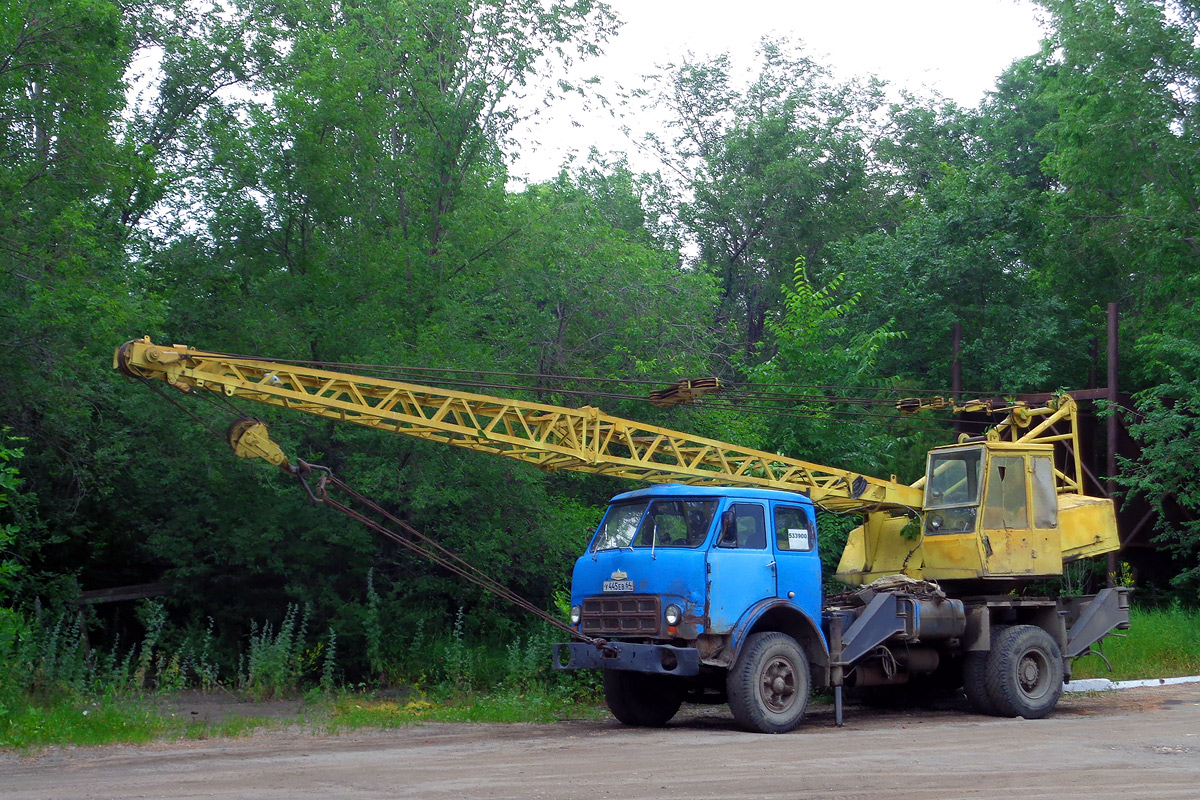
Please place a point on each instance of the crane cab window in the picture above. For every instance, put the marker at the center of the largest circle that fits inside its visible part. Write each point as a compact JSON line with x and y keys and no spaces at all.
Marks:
{"x":743,"y":526}
{"x":1006,"y":505}
{"x":792,"y":531}
{"x":954,"y":478}
{"x":952,"y":490}
{"x":1045,"y":495}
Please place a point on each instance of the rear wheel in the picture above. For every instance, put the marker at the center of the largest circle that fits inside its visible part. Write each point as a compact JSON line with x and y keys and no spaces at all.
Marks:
{"x":974,"y":673}
{"x":1025,"y":673}
{"x":646,"y":701}
{"x":769,"y":685}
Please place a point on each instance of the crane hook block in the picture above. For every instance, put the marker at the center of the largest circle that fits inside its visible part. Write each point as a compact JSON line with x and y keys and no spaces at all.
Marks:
{"x":249,"y":439}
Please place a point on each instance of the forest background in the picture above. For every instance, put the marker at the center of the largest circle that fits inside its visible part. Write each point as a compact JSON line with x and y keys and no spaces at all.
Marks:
{"x":327,"y":182}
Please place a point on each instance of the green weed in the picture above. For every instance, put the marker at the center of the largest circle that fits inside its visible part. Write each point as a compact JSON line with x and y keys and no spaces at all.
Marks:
{"x":276,"y":660}
{"x":1160,"y":643}
{"x":356,"y":711}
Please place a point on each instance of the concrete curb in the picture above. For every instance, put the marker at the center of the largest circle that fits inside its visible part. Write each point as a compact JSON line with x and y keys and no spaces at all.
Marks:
{"x":1105,"y":685}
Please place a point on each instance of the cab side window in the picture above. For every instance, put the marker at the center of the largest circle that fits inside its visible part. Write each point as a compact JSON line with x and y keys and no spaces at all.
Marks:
{"x":1005,"y":506}
{"x":743,"y":526}
{"x":792,"y":529}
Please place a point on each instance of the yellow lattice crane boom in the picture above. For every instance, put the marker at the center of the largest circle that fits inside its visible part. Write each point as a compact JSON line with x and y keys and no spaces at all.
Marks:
{"x":1006,"y":506}
{"x":547,"y":436}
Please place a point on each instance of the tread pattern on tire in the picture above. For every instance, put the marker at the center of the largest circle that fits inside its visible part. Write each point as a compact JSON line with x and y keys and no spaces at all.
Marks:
{"x":1003,"y":672}
{"x":742,"y":683}
{"x":975,"y":665}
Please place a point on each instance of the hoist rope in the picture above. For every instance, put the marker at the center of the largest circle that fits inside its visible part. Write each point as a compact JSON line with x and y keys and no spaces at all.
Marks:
{"x":423,"y":545}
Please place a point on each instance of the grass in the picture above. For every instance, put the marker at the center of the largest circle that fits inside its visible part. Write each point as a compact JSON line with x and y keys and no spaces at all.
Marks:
{"x":56,"y":691}
{"x":1160,"y":643}
{"x":353,"y":712}
{"x":76,"y":721}
{"x":67,"y":721}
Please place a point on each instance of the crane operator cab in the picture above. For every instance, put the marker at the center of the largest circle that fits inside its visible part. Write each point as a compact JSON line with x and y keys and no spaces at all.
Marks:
{"x":993,"y":511}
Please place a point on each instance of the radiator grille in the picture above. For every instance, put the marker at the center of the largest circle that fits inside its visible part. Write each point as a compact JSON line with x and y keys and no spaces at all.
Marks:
{"x":625,"y":615}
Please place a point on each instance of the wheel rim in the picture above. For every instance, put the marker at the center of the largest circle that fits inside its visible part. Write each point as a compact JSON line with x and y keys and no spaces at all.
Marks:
{"x":778,"y":685}
{"x":1033,"y":673}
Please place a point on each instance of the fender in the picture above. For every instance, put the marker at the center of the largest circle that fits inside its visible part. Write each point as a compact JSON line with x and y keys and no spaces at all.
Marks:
{"x":777,"y":614}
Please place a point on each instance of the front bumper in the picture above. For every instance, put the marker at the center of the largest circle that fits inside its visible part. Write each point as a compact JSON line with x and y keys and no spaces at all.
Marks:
{"x":662,"y":659}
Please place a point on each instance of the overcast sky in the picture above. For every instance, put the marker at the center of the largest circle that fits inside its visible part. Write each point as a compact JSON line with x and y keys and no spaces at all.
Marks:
{"x":957,"y":47}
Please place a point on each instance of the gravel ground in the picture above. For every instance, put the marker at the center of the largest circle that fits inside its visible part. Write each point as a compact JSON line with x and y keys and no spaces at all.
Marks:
{"x":1139,"y":743}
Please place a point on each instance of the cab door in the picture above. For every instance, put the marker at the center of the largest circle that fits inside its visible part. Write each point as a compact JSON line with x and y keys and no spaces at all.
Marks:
{"x":798,"y":564}
{"x":741,"y":564}
{"x":1014,"y":540}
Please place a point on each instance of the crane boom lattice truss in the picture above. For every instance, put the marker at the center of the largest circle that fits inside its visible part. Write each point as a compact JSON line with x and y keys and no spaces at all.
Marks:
{"x":547,"y":436}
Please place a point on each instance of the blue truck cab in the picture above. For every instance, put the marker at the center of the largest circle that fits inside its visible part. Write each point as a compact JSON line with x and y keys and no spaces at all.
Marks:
{"x":703,"y":593}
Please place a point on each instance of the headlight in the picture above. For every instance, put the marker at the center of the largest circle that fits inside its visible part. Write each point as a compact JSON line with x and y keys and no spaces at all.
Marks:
{"x":576,"y":614}
{"x":673,"y":615}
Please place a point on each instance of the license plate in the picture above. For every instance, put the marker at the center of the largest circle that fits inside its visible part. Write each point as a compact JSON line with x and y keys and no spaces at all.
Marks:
{"x":618,"y":586}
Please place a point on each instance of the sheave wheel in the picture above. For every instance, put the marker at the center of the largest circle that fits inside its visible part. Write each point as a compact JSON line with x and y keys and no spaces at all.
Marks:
{"x":769,"y":685}
{"x":646,"y":701}
{"x":1025,"y":673}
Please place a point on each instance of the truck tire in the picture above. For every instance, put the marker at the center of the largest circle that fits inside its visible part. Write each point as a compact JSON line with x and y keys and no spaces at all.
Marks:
{"x":641,"y":700}
{"x":1024,"y":673}
{"x":975,"y":683}
{"x":975,"y":671}
{"x":769,"y":685}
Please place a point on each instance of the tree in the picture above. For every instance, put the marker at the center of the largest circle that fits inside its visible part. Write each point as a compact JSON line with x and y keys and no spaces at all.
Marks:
{"x":964,"y":255}
{"x":775,"y":171}
{"x":11,"y":622}
{"x":1124,"y":145}
{"x":353,"y":208}
{"x":567,"y":293}
{"x":827,"y":367}
{"x":1168,"y":426}
{"x":65,"y":287}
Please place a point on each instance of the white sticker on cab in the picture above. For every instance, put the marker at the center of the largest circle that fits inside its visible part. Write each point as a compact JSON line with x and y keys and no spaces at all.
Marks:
{"x":797,"y":538}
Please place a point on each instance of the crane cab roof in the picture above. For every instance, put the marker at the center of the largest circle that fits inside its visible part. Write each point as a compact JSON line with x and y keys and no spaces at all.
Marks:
{"x":994,"y":444}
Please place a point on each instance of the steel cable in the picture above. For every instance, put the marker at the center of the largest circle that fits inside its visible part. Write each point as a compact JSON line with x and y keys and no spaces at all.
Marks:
{"x":424,"y":546}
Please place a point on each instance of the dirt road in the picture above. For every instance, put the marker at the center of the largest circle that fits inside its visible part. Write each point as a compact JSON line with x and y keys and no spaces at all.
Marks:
{"x":1142,"y":743}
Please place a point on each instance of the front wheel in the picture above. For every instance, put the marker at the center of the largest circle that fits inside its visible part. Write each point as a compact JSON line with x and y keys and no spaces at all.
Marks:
{"x":1025,"y":673}
{"x":645,"y":701}
{"x":769,"y":685}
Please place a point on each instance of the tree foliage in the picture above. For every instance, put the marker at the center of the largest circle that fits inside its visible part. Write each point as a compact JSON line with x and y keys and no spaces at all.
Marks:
{"x":819,"y":355}
{"x":770,"y":172}
{"x":327,"y":181}
{"x":1168,"y":425}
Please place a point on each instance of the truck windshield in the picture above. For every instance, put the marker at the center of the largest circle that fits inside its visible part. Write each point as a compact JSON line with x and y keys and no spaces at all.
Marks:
{"x":655,"y":523}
